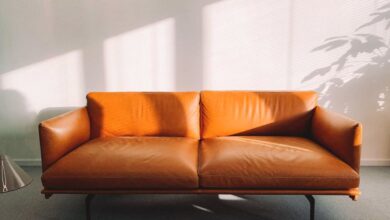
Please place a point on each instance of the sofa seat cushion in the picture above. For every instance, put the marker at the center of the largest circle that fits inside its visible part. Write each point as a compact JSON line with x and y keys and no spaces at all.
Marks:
{"x":115,"y":163}
{"x":271,"y":162}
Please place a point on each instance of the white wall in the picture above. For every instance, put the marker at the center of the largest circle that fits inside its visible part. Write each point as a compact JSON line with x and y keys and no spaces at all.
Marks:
{"x":53,"y":52}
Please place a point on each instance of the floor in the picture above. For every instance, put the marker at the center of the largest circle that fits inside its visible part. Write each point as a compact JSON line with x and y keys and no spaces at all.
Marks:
{"x":28,"y":203}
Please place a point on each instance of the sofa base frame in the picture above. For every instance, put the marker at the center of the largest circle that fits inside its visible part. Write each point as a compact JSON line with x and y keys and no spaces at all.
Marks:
{"x":352,"y":193}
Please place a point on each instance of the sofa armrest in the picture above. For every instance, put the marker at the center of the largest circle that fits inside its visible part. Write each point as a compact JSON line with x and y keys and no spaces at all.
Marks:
{"x":60,"y":135}
{"x":339,"y":134}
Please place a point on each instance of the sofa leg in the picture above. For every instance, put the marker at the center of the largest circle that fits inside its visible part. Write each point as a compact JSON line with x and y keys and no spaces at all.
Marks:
{"x":355,"y":197}
{"x":88,"y":201}
{"x":312,"y":201}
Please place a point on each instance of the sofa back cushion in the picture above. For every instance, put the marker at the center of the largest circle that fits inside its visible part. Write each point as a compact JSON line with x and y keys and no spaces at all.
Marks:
{"x":144,"y":114}
{"x":225,"y":113}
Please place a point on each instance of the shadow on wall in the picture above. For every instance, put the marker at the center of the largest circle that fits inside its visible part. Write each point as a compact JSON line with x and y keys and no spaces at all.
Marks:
{"x":15,"y":136}
{"x":48,"y":113}
{"x":360,"y":75}
{"x":18,"y":130}
{"x":358,"y":82}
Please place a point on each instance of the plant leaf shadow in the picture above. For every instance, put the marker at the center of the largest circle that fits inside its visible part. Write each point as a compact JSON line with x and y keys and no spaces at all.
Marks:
{"x":362,"y":69}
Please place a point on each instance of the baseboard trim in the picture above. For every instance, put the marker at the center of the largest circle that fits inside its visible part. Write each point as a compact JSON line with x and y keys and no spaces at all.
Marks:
{"x":28,"y":162}
{"x":364,"y":162}
{"x":375,"y":162}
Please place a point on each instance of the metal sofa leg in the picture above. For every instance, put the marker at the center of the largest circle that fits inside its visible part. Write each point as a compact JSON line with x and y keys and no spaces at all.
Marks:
{"x":88,"y":201}
{"x":48,"y":195}
{"x":312,"y":201}
{"x":355,"y":197}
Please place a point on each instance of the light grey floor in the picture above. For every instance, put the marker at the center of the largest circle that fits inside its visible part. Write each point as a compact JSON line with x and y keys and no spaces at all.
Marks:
{"x":28,"y":203}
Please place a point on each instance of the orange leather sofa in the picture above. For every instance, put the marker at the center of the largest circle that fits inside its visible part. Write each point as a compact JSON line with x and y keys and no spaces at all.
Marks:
{"x":209,"y":142}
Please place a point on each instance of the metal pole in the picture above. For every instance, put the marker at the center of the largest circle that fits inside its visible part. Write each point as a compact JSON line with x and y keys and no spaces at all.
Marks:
{"x":312,"y":201}
{"x":88,"y":201}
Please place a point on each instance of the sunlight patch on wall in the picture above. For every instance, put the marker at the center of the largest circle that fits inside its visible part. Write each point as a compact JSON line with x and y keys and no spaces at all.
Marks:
{"x":381,"y":100}
{"x":57,"y":81}
{"x":142,"y":59}
{"x":246,"y":44}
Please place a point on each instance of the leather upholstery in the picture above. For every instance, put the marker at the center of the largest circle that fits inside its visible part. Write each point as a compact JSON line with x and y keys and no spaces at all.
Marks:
{"x":62,"y":134}
{"x":341,"y":135}
{"x":127,"y":163}
{"x":271,"y":162}
{"x":225,"y":113}
{"x":144,"y":114}
{"x":251,"y":142}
